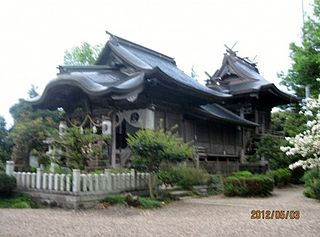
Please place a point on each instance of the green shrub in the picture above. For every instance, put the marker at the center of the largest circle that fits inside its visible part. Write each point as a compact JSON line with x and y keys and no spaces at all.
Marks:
{"x":214,"y":184}
{"x":115,"y":199}
{"x":21,"y":205}
{"x":2,"y":168}
{"x":263,"y":185}
{"x":244,"y":173}
{"x":119,"y":170}
{"x":167,"y":177}
{"x":312,"y":183}
{"x":297,"y":175}
{"x":7,"y":184}
{"x":131,"y":200}
{"x":281,"y":177}
{"x":308,"y":192}
{"x":189,"y":176}
{"x":147,"y":203}
{"x":234,"y":186}
{"x":20,"y":201}
{"x":255,"y":185}
{"x":150,"y":148}
{"x":269,"y":148}
{"x":183,"y":176}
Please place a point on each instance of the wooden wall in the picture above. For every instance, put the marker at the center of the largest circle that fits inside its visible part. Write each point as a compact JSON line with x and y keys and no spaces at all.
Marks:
{"x":219,"y":139}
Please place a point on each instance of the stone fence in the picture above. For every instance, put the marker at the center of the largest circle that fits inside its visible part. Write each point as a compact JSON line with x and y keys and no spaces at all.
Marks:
{"x":80,"y":189}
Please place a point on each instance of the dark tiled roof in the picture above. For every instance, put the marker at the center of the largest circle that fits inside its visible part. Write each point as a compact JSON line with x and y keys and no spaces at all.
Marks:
{"x":147,"y":59}
{"x":220,"y":113}
{"x":95,"y":82}
{"x":239,"y":76}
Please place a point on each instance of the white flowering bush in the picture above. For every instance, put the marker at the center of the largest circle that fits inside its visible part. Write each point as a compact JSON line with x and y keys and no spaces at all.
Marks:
{"x":307,"y":143}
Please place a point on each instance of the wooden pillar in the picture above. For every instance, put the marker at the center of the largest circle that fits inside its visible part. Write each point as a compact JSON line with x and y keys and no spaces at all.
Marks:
{"x":228,"y":167}
{"x":256,"y":119}
{"x":113,"y":142}
{"x":243,"y":148}
{"x":263,"y":122}
{"x":242,"y":112}
{"x":182,"y":128}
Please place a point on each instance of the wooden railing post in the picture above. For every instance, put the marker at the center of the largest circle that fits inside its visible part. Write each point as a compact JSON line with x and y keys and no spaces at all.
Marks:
{"x":39,"y":177}
{"x":76,"y":180}
{"x":9,"y":167}
{"x":107,"y":173}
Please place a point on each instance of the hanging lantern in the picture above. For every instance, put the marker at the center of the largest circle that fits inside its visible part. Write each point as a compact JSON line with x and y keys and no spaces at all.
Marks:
{"x":106,"y":127}
{"x":62,"y":128}
{"x":94,"y":129}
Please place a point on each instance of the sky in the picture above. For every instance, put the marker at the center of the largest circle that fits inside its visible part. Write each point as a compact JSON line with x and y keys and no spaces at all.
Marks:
{"x":34,"y":35}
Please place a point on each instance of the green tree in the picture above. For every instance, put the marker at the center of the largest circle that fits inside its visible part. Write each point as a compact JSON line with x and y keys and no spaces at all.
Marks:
{"x":305,"y":68}
{"x":31,"y":127}
{"x":152,"y":147}
{"x":269,"y":148}
{"x":289,"y":122}
{"x":85,"y":54}
{"x":5,"y":142}
{"x":79,"y":147}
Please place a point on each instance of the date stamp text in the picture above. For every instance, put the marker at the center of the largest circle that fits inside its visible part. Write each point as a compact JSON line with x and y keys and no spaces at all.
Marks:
{"x":275,"y":214}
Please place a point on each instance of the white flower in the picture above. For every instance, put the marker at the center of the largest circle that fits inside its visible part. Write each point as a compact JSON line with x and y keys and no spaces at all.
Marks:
{"x":307,"y":143}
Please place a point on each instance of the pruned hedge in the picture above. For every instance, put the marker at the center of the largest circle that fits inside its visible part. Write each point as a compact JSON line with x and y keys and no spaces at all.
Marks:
{"x":281,"y":177}
{"x":183,"y":176}
{"x":254,"y":185}
{"x":312,"y":183}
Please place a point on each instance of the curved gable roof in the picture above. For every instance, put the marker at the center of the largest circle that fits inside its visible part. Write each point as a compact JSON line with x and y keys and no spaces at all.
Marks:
{"x":239,"y":76}
{"x":149,"y":60}
{"x":93,"y":82}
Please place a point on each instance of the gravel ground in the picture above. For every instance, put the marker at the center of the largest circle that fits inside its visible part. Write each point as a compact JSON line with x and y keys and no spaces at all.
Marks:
{"x":211,"y":216}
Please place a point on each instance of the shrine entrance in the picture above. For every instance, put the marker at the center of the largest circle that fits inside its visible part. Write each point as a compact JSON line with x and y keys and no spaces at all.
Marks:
{"x":116,"y":124}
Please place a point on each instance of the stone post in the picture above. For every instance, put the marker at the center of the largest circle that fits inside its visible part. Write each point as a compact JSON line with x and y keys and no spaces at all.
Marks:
{"x":96,"y":183}
{"x":50,"y":181}
{"x":28,"y":180}
{"x":119,"y":184}
{"x":132,"y":179}
{"x":108,"y":178}
{"x":62,"y":182}
{"x":56,"y":182}
{"x":39,"y":176}
{"x":9,"y":167}
{"x":33,"y":180}
{"x":68,"y":178}
{"x":103,"y":182}
{"x":84,"y":183}
{"x":23,"y":179}
{"x":113,"y":181}
{"x":45,"y":181}
{"x":90,"y":182}
{"x":128,"y":181}
{"x":76,"y":180}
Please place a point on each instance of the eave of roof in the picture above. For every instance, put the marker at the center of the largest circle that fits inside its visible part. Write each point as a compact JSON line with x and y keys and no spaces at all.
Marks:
{"x":96,"y":84}
{"x":220,"y":113}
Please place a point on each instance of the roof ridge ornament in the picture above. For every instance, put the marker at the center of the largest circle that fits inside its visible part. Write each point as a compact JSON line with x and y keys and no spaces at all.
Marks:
{"x":113,"y":39}
{"x":230,"y":50}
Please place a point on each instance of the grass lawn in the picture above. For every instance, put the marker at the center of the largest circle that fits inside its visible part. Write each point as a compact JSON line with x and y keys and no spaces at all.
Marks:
{"x":18,"y":201}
